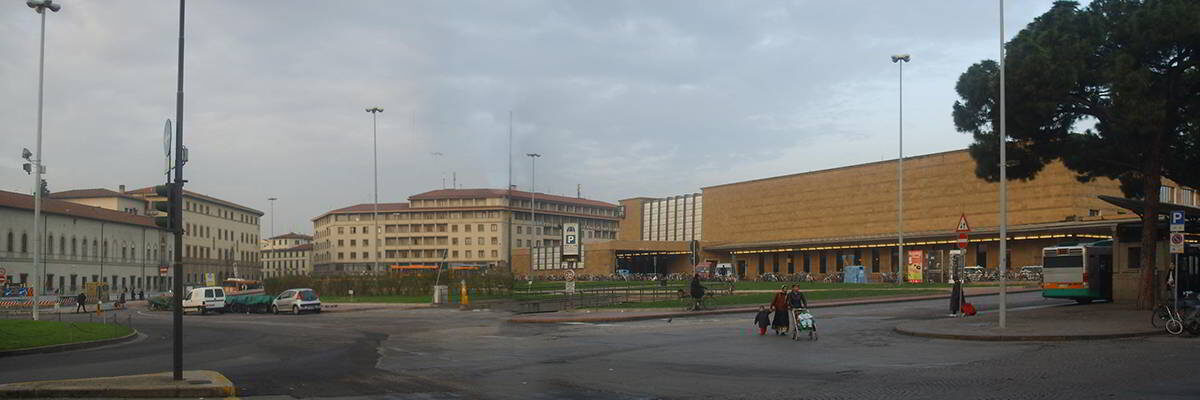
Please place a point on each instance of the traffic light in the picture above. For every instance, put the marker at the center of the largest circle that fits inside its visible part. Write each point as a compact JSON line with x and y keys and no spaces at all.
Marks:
{"x":166,"y":191}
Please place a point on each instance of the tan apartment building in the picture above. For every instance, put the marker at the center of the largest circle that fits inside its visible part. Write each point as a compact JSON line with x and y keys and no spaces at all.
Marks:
{"x":287,"y":254}
{"x":455,"y":226}
{"x":220,"y":237}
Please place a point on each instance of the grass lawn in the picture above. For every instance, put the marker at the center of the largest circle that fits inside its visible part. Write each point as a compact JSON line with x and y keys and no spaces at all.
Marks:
{"x":20,"y":334}
{"x":740,"y":285}
{"x":764,"y":298}
{"x":453,"y":298}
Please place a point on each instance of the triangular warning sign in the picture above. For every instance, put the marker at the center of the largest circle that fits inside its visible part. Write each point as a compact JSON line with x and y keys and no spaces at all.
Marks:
{"x":962,"y":224}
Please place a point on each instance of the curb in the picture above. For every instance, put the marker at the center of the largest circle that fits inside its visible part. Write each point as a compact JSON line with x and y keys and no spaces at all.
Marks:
{"x":739,"y":310}
{"x":217,"y":385}
{"x":55,"y":348}
{"x":1025,"y":338}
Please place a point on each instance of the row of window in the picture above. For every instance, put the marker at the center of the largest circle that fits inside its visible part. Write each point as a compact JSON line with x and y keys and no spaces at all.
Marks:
{"x":204,"y":252}
{"x":117,"y":283}
{"x":78,"y":247}
{"x":200,"y":231}
{"x":1181,"y":195}
{"x":205,"y":209}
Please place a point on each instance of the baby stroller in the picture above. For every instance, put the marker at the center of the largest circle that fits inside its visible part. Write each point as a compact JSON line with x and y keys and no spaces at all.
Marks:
{"x":802,"y":321}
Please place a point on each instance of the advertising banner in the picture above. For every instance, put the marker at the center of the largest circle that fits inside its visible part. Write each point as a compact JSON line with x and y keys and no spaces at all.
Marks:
{"x":916,"y":266}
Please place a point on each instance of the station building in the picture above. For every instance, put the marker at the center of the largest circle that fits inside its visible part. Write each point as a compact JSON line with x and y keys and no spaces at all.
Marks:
{"x":818,"y":222}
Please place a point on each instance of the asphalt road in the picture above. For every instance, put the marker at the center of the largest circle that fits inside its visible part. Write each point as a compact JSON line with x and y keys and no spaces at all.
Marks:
{"x":450,"y":354}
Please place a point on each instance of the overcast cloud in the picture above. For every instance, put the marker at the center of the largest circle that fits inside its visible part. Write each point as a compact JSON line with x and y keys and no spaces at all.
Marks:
{"x":628,"y":99}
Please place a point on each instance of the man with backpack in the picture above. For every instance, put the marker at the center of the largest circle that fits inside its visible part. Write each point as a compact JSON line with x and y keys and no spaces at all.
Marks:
{"x":81,"y":302}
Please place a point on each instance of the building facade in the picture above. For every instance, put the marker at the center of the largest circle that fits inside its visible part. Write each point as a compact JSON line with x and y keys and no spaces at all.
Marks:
{"x":287,"y":254}
{"x":220,"y":237}
{"x":456,"y":226}
{"x":670,"y":219}
{"x":83,"y":244}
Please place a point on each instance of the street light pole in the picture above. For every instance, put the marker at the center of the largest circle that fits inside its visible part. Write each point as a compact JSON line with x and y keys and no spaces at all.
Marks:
{"x":375,"y":213}
{"x":272,"y":200}
{"x":900,"y":59}
{"x":1003,"y":187}
{"x":40,"y":6}
{"x":533,"y":198}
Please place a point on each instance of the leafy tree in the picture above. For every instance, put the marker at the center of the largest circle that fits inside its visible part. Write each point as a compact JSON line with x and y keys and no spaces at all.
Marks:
{"x":1111,"y":89}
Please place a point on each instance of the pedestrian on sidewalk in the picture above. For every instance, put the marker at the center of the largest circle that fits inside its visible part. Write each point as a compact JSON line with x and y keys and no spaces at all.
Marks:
{"x":762,"y":319}
{"x":697,"y":292}
{"x":121,"y":300}
{"x":81,"y":302}
{"x":779,"y":305}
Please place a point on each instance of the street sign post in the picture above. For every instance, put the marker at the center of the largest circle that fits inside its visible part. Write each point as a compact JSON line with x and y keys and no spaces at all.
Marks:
{"x":1177,"y":221}
{"x":1177,"y":242}
{"x":963,"y":229}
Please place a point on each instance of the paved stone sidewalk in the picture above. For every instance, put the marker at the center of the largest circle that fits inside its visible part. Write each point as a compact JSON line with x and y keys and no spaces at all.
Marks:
{"x":644,"y":314}
{"x":1071,"y":322}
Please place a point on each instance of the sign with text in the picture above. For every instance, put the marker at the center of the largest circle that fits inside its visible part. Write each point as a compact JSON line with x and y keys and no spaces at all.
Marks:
{"x":1177,"y":221}
{"x":570,"y":240}
{"x":210,"y":279}
{"x":162,"y":270}
{"x":916,"y":266}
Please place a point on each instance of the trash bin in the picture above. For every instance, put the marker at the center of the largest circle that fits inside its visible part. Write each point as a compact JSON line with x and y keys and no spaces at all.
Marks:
{"x":441,"y":294}
{"x":854,"y":274}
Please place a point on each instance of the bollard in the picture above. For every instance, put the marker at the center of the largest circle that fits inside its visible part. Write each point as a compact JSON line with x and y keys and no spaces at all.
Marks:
{"x":464,"y":299}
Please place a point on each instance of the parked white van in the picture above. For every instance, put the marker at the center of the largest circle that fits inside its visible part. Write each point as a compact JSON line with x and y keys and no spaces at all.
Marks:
{"x":204,"y":299}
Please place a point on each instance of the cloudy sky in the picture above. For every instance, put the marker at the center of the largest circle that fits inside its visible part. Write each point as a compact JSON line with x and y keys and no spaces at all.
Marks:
{"x":624,"y":98}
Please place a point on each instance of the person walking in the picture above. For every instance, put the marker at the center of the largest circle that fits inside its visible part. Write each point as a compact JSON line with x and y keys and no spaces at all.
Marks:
{"x":779,"y":305}
{"x":762,"y":319}
{"x":121,"y":300}
{"x":697,"y":292}
{"x":81,"y":302}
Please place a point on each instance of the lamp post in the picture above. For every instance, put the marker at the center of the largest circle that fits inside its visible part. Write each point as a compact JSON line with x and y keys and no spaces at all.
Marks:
{"x":532,"y":198}
{"x":272,"y":200}
{"x":40,"y":6}
{"x":1003,"y":188}
{"x":375,"y":213}
{"x":900,"y":59}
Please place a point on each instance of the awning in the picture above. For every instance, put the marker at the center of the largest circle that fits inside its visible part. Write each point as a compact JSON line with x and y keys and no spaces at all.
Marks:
{"x":464,"y":268}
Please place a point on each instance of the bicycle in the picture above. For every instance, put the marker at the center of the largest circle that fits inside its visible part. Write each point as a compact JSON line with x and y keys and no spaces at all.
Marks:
{"x":1167,"y":316}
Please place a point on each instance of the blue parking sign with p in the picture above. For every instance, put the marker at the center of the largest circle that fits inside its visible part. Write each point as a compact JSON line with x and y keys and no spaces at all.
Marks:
{"x":1177,"y":218}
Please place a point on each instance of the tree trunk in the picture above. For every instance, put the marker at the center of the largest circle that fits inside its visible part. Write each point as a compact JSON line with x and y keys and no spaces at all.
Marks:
{"x":1152,"y":181}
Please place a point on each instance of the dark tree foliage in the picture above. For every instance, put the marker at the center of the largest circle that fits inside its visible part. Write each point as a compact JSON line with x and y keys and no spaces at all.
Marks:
{"x":1112,"y":90}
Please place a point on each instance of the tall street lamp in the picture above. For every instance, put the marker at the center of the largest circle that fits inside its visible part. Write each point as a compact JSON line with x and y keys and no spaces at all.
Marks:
{"x":40,"y":6}
{"x":375,"y":214}
{"x":272,"y":200}
{"x":1003,"y":187}
{"x":532,"y":198}
{"x":900,"y":59}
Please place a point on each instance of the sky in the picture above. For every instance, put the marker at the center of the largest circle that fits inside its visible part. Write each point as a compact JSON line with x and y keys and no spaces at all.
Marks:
{"x":622,"y":98}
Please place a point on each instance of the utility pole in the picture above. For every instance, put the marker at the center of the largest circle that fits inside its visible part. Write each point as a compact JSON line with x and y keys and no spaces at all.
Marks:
{"x":902,"y":265}
{"x":533,"y":198}
{"x":176,"y":215}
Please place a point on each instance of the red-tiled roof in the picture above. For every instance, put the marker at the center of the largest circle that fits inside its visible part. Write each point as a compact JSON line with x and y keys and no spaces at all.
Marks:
{"x":61,"y":207}
{"x":302,"y":247}
{"x":486,"y":193}
{"x":149,"y":191}
{"x":91,"y":194}
{"x":365,"y":207}
{"x":292,"y":235}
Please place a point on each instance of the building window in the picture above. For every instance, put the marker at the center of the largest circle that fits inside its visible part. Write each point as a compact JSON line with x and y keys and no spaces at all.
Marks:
{"x":10,"y":242}
{"x":762,"y":262}
{"x":1093,"y":213}
{"x":874,"y":260}
{"x":454,"y":254}
{"x":1166,"y":194}
{"x":495,"y":254}
{"x":821,"y":263}
{"x":1135,"y":257}
{"x":467,"y":228}
{"x":495,"y":240}
{"x":775,"y":263}
{"x":467,"y":241}
{"x":480,"y":252}
{"x":24,"y":242}
{"x":520,"y":243}
{"x":520,"y":230}
{"x":791,"y":263}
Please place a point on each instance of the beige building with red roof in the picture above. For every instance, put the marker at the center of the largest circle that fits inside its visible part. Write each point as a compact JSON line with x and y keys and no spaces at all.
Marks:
{"x":454,"y":226}
{"x":83,"y":243}
{"x":287,"y":254}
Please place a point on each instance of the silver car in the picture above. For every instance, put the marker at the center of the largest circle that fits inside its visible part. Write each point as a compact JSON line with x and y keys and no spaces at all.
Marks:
{"x":296,"y":301}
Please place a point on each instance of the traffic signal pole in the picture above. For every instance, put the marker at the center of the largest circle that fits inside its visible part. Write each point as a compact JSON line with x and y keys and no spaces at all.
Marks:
{"x":177,"y":212}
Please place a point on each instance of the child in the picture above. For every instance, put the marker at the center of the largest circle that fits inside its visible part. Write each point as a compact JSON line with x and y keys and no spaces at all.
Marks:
{"x":763,"y":320}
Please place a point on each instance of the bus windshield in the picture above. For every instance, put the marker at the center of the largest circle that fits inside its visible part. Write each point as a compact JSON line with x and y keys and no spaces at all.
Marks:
{"x":1063,"y":262}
